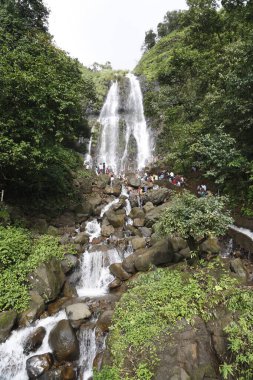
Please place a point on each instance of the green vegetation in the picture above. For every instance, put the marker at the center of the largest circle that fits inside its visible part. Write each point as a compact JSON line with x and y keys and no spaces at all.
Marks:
{"x":198,"y":93}
{"x":20,"y":253}
{"x":194,"y":218}
{"x":153,"y":306}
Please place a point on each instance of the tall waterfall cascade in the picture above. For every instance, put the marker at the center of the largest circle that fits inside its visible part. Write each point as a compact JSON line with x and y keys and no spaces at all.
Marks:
{"x":125,"y":140}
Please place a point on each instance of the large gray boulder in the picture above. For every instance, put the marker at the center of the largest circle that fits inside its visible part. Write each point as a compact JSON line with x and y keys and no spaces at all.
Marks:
{"x":69,"y":263}
{"x":159,"y":253}
{"x":210,"y":245}
{"x":7,"y":321}
{"x":47,"y":279}
{"x":236,"y":266}
{"x":137,"y":212}
{"x":138,"y":242}
{"x":101,"y":181}
{"x":104,"y":321}
{"x":37,"y":365}
{"x":158,"y":196}
{"x":63,"y":342}
{"x":148,"y":206}
{"x":77,"y":313}
{"x":94,"y":200}
{"x":81,"y":238}
{"x":153,"y":215}
{"x":117,"y":270}
{"x":113,"y":190}
{"x":133,"y":181}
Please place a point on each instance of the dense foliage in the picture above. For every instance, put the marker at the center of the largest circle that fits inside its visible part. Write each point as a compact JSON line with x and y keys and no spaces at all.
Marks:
{"x":194,"y":218}
{"x":198,"y":92}
{"x":20,"y":253}
{"x":44,"y":100}
{"x":167,"y":296}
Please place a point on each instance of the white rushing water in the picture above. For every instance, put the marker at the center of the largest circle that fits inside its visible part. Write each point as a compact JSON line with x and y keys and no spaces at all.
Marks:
{"x":13,"y":360}
{"x":95,"y":272}
{"x":93,"y":229}
{"x":88,"y":350}
{"x":243,"y":230}
{"x":109,"y":119}
{"x":136,"y":125}
{"x":108,"y":206}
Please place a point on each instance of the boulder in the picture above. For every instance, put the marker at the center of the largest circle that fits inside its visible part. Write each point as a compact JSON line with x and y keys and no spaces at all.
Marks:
{"x":107,"y":230}
{"x":138,"y":222}
{"x":104,"y":321}
{"x":177,"y":243}
{"x":69,"y":263}
{"x":138,"y":242}
{"x":113,"y":190}
{"x":37,"y":365}
{"x":145,"y":232}
{"x":101,"y":181}
{"x":82,"y":238}
{"x":66,"y":219}
{"x":134,"y":231}
{"x":137,"y":212}
{"x":94,"y":200}
{"x":154,"y":214}
{"x":114,"y":219}
{"x":69,"y":290}
{"x":238,"y":268}
{"x":128,"y":264}
{"x":210,"y":245}
{"x":36,"y":308}
{"x":34,"y":340}
{"x":7,"y":321}
{"x":160,"y":253}
{"x":63,"y":342}
{"x":65,"y":372}
{"x":117,"y":271}
{"x":133,"y":181}
{"x":78,"y":312}
{"x":185,"y":253}
{"x":148,"y":206}
{"x":158,"y":196}
{"x":115,"y":283}
{"x":47,"y":279}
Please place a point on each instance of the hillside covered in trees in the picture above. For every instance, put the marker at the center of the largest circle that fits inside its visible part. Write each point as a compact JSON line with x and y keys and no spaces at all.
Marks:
{"x":198,"y":82}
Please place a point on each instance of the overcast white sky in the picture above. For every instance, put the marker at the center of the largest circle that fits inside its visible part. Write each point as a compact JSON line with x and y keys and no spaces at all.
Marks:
{"x":106,"y":30}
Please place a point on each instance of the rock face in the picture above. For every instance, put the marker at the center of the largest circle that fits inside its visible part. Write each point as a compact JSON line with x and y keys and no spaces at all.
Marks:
{"x":187,"y":354}
{"x":7,"y":321}
{"x":118,"y":271}
{"x":116,"y":220}
{"x":133,"y":181}
{"x":63,"y":342}
{"x":68,"y":263}
{"x":36,"y":308}
{"x":159,"y":253}
{"x":37,"y":365}
{"x":158,"y":196}
{"x":34,"y":341}
{"x":47,"y":280}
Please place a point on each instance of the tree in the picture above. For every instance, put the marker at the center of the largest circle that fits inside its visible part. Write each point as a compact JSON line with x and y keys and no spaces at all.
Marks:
{"x":194,"y":218}
{"x":150,"y":40}
{"x":170,"y":23}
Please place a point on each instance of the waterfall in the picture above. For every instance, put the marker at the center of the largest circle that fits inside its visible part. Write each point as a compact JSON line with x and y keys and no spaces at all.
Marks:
{"x":109,"y":119}
{"x":13,"y":359}
{"x":136,"y":125}
{"x":93,"y":229}
{"x":118,"y":155}
{"x":95,"y":272}
{"x":88,"y":352}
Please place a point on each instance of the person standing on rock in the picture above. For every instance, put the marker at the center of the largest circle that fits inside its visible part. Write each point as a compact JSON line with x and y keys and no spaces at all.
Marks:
{"x":112,"y":180}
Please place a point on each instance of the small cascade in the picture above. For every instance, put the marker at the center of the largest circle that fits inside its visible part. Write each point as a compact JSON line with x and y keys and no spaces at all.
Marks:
{"x":108,"y":206}
{"x":93,"y":229}
{"x":88,"y":352}
{"x":109,"y":119}
{"x":95,"y":272}
{"x":228,"y":249}
{"x":13,"y":359}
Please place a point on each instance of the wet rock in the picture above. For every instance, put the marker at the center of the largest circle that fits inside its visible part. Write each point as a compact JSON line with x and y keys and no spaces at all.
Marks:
{"x":134,"y":231}
{"x":128,"y":264}
{"x":82,"y":238}
{"x":114,"y":219}
{"x":138,"y":222}
{"x":115,"y":283}
{"x":117,"y":271}
{"x":47,"y":279}
{"x":94,"y":200}
{"x":66,"y":372}
{"x":7,"y":321}
{"x":77,"y":313}
{"x":238,"y":268}
{"x":34,"y":340}
{"x":36,"y":308}
{"x":69,"y":263}
{"x":107,"y":230}
{"x":104,"y":321}
{"x":138,"y":242}
{"x":38,"y":364}
{"x":69,"y":290}
{"x":63,"y":342}
{"x":154,"y":214}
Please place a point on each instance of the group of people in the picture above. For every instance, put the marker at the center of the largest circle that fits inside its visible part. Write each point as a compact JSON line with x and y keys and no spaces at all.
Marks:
{"x":103,"y":169}
{"x":202,"y":190}
{"x":177,"y":180}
